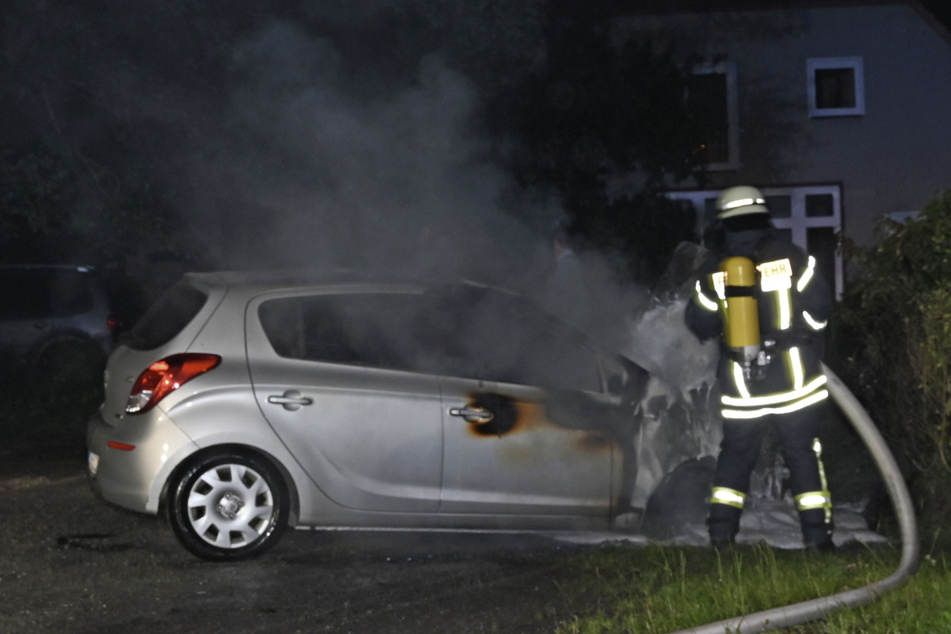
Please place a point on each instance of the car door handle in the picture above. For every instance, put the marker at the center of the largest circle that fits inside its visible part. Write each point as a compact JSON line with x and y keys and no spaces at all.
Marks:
{"x":291,"y":400}
{"x":472,"y":414}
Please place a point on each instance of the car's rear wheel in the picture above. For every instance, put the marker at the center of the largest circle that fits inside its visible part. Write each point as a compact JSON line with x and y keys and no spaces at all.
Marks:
{"x":228,"y":506}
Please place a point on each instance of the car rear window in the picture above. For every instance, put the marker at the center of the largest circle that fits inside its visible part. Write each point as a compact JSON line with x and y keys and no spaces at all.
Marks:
{"x":166,"y":317}
{"x":44,"y":293}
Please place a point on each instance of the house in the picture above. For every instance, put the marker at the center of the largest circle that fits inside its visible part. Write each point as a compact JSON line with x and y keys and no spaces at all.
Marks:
{"x":839,"y":111}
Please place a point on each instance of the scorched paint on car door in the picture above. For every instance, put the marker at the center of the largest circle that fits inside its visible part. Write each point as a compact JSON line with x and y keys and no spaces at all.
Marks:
{"x":505,"y":453}
{"x":525,"y":432}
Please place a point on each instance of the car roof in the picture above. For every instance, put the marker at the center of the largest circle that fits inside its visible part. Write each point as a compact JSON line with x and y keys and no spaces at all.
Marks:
{"x":255,"y":280}
{"x":47,"y":267}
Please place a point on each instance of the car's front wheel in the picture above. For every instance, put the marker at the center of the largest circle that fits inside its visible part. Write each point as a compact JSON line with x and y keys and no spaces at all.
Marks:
{"x":228,"y":506}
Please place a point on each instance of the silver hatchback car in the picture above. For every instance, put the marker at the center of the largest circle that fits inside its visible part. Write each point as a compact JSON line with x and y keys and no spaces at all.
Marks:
{"x":242,"y":403}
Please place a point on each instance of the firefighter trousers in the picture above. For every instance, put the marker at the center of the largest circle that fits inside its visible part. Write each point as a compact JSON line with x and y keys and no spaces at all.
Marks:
{"x":739,"y":452}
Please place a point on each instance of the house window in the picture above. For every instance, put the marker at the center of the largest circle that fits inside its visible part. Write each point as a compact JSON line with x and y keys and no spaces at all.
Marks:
{"x":807,"y":216}
{"x":902,"y":216}
{"x":836,"y":86}
{"x":712,"y":99}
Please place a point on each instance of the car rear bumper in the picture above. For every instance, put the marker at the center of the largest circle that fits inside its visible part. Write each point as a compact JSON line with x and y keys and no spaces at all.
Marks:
{"x":129,"y":463}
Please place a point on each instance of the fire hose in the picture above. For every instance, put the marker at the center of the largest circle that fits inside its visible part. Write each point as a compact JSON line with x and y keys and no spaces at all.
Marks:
{"x":811,"y":610}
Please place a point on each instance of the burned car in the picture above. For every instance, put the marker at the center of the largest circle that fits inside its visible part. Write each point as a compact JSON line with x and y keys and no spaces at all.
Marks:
{"x":245,"y":402}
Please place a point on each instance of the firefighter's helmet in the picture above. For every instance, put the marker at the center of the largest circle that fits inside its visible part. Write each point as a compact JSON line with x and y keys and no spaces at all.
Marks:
{"x":740,"y":201}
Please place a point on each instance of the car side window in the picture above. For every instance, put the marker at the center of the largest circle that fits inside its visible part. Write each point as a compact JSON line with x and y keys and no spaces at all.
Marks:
{"x":25,"y":296}
{"x":365,"y":329}
{"x":468,"y":334}
{"x":504,"y":338}
{"x":44,"y":294}
{"x":558,"y":363}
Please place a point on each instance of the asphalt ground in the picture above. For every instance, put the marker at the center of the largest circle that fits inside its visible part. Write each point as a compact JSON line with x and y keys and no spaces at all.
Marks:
{"x":72,"y":563}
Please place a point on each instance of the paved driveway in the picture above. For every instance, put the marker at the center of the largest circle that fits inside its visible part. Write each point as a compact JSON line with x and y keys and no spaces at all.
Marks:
{"x":70,"y":563}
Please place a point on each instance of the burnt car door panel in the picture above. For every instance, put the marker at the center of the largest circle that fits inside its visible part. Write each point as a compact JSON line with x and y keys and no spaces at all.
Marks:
{"x":513,"y":458}
{"x":509,"y":447}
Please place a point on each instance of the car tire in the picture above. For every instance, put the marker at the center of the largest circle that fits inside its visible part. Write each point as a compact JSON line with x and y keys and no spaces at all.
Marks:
{"x":680,"y":502}
{"x":227,"y":507}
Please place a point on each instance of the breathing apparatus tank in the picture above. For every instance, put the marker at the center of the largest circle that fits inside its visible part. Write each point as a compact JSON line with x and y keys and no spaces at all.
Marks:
{"x":741,"y":315}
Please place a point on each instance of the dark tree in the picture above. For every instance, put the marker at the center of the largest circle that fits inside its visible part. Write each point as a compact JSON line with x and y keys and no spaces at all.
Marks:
{"x":119,"y":115}
{"x":608,"y":127}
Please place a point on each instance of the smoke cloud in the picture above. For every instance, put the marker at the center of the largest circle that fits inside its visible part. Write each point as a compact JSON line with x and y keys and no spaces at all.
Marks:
{"x":318,"y":169}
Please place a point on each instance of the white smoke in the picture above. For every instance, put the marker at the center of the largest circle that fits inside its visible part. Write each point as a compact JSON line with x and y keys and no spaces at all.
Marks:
{"x":329,"y":175}
{"x":661,"y":344}
{"x":677,"y":424}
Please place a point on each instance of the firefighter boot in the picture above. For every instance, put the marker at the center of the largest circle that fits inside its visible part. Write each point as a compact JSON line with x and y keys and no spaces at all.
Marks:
{"x":816,"y":530}
{"x":723,"y":523}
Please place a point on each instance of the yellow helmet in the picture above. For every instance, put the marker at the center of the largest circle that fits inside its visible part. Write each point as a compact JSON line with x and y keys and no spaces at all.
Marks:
{"x":739,"y":201}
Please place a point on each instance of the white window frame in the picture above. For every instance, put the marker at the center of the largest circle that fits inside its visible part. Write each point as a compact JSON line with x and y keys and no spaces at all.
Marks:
{"x":798,"y":223}
{"x":732,"y":111}
{"x":902,"y":216}
{"x":821,"y":63}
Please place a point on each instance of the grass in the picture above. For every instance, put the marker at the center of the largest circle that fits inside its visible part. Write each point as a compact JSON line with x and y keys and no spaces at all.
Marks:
{"x":665,"y":589}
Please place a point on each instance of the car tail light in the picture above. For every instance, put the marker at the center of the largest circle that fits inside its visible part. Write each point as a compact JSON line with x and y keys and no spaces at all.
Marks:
{"x":165,"y":376}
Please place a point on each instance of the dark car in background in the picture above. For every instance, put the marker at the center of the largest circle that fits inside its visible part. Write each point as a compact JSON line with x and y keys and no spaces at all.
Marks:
{"x":245,"y":402}
{"x":52,"y":314}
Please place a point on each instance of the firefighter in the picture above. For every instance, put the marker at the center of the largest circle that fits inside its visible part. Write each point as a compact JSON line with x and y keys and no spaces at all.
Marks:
{"x":765,"y":300}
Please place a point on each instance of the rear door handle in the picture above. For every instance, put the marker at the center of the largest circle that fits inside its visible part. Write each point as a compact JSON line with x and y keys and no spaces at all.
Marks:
{"x":291,"y":400}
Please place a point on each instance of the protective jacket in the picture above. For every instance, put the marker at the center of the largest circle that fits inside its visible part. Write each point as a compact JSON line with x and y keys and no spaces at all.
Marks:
{"x":793,"y":304}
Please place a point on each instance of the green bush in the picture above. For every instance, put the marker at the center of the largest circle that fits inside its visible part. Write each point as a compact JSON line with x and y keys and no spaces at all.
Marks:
{"x":893,"y":346}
